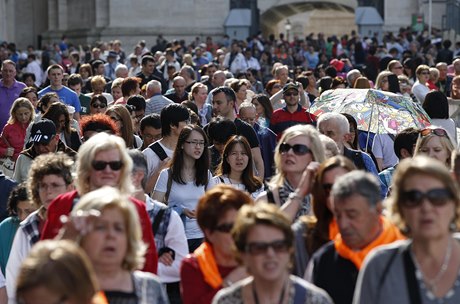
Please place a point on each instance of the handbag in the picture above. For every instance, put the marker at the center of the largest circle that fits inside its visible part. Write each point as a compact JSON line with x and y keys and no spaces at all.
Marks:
{"x":6,"y":163}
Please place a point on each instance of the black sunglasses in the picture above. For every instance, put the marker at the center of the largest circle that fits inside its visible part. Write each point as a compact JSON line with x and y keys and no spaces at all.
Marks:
{"x":291,"y":94}
{"x":257,"y":248}
{"x":414,"y":198}
{"x":99,"y":105}
{"x":100,"y":165}
{"x":298,"y":149}
{"x":225,"y":227}
{"x":437,"y":131}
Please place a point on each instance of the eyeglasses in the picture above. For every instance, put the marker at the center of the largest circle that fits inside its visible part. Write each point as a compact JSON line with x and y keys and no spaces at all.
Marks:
{"x":225,"y":227}
{"x":52,"y":187}
{"x":437,"y":131}
{"x":99,"y":105}
{"x":298,"y":149}
{"x":258,"y":248}
{"x":414,"y":198}
{"x":196,"y":143}
{"x":291,"y":94}
{"x":100,"y":165}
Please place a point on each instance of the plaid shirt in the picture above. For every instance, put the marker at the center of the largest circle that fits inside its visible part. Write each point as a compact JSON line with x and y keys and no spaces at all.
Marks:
{"x":31,"y":227}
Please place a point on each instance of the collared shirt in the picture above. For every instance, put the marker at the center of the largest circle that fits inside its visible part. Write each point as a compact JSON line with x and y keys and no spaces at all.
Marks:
{"x":283,"y":119}
{"x":156,"y":103}
{"x":7,"y":97}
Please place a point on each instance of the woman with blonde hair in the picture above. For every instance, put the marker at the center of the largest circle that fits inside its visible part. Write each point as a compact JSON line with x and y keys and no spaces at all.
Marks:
{"x":298,"y":148}
{"x":381,"y":83}
{"x":425,"y":205}
{"x":198,"y":95}
{"x":22,"y":113}
{"x":436,"y":143}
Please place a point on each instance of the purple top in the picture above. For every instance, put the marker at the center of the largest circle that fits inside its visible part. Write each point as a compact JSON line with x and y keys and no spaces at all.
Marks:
{"x":7,"y":97}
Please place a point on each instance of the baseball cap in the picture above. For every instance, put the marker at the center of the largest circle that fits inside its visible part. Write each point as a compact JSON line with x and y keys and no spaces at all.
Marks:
{"x":290,"y":86}
{"x":42,"y":131}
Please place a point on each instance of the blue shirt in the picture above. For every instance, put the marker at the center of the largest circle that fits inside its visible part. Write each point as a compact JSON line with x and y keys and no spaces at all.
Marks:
{"x":66,"y":95}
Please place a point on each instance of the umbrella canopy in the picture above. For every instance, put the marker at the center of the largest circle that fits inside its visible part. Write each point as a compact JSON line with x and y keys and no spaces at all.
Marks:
{"x":375,"y":111}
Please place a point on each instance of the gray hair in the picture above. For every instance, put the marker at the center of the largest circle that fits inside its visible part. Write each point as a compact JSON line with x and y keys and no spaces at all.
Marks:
{"x":121,"y":67}
{"x":340,"y":120}
{"x":246,"y":105}
{"x":139,"y":164}
{"x":153,"y":84}
{"x":357,"y":182}
{"x":352,"y":75}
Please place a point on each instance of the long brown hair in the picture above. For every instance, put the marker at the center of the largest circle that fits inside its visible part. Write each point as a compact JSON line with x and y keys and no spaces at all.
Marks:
{"x":250,"y":181}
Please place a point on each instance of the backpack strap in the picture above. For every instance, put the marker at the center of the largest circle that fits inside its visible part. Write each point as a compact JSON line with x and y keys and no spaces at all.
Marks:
{"x":168,"y":187}
{"x":158,"y":149}
{"x":157,"y":219}
{"x":411,"y":280}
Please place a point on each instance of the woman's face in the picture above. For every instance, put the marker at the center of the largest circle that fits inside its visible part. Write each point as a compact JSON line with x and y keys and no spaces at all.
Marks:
{"x":201,"y":95}
{"x":426,"y":221}
{"x":221,"y":238}
{"x":29,"y":81}
{"x":116,"y":93}
{"x":32,"y":98}
{"x":108,"y":176}
{"x":97,"y":107}
{"x":384,"y":84}
{"x":116,"y":119}
{"x":434,"y":148}
{"x":242,"y":93}
{"x":84,"y":73}
{"x":424,"y":76}
{"x":23,"y":115}
{"x":60,"y":125}
{"x":238,"y":158}
{"x":98,"y":87}
{"x":107,"y":243}
{"x":329,"y":178}
{"x":194,"y":145}
{"x":295,"y":163}
{"x":456,"y":89}
{"x":259,"y":108}
{"x":275,"y":89}
{"x":269,"y":264}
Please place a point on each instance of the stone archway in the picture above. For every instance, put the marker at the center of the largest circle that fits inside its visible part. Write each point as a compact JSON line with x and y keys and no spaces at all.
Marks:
{"x":275,"y":11}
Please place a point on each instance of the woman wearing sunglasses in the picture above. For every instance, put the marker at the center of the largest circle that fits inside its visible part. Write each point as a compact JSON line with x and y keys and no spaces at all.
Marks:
{"x":425,"y":269}
{"x":186,"y":180}
{"x":419,"y":89}
{"x":264,"y":243}
{"x":98,"y":104}
{"x":102,"y":160}
{"x":236,"y":168}
{"x":213,"y":265}
{"x":435,"y":142}
{"x":298,"y":148}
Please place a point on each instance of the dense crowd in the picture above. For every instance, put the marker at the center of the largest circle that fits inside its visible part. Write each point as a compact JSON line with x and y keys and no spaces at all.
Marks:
{"x":198,"y":173}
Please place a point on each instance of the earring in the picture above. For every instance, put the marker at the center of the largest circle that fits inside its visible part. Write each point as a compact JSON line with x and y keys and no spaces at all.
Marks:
{"x":453,"y":226}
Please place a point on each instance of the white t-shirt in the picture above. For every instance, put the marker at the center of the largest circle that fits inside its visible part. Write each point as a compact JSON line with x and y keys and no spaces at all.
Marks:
{"x":184,"y":196}
{"x":239,"y":186}
{"x":153,"y":161}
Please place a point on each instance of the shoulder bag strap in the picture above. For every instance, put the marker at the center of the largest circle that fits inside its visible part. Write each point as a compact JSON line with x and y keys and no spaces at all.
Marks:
{"x":168,"y":187}
{"x":157,"y":220}
{"x":411,"y":280}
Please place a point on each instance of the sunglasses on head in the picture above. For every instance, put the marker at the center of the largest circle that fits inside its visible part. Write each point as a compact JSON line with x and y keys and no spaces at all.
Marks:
{"x":438,"y":132}
{"x":225,"y":227}
{"x":100,"y":165}
{"x":258,"y":248}
{"x":414,"y":198}
{"x":298,"y":149}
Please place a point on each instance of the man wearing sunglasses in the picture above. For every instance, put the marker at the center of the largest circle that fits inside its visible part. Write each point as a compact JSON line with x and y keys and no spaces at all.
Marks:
{"x":292,"y":113}
{"x":43,"y":139}
{"x":357,"y":209}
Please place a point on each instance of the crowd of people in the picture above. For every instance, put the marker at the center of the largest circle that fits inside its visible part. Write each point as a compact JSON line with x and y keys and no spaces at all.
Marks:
{"x":196,"y":173}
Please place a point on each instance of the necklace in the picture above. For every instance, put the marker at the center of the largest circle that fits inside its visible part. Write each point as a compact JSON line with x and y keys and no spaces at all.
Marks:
{"x":256,"y":298}
{"x":431,"y":283}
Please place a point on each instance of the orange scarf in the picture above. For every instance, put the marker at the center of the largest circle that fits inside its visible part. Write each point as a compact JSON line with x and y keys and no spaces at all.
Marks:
{"x":99,"y":298}
{"x":333,"y":229}
{"x":208,"y":265}
{"x":389,"y":234}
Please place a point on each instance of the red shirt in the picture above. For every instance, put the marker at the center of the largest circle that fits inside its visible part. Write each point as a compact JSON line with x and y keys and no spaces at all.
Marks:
{"x":63,"y":205}
{"x":194,"y":290}
{"x":283,"y":119}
